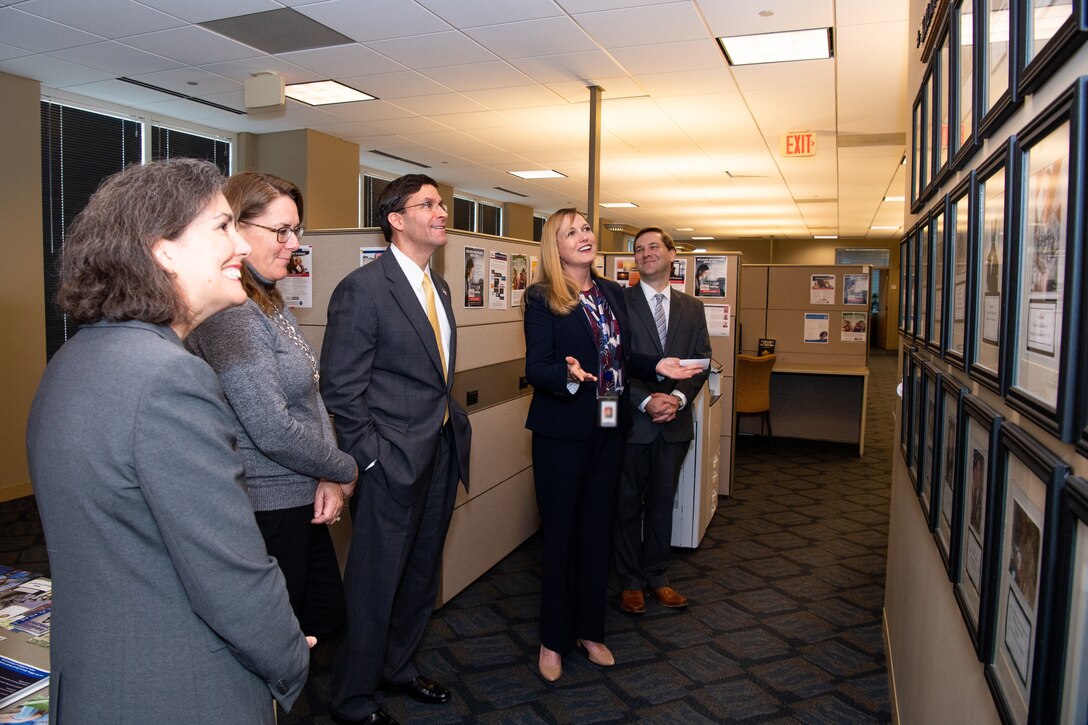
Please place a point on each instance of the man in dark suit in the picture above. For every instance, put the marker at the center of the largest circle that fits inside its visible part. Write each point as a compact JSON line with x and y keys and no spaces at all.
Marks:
{"x":664,"y":321}
{"x":387,"y":367}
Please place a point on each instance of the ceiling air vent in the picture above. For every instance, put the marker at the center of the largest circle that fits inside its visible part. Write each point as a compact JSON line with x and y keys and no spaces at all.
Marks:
{"x":400,"y":158}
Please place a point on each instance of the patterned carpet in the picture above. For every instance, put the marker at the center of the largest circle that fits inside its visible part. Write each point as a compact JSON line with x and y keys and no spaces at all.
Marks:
{"x":784,"y":627}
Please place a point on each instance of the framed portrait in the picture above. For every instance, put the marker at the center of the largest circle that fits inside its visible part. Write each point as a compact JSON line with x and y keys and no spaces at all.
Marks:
{"x":911,"y":292}
{"x":963,"y":83}
{"x":958,"y":242}
{"x":938,"y":231}
{"x":970,"y":523}
{"x":991,"y":242}
{"x":939,"y":148}
{"x":1051,"y":30}
{"x":1030,"y":480}
{"x":923,"y":321}
{"x":946,"y":469}
{"x":915,"y":460}
{"x":930,"y":435}
{"x":1068,"y":666}
{"x":997,"y":40}
{"x":917,"y":144}
{"x":1046,"y":327}
{"x":905,"y":411}
{"x":903,"y":274}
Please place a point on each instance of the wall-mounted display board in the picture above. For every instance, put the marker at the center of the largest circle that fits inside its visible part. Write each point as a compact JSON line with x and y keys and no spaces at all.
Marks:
{"x":1021,"y":572}
{"x":1046,"y":324}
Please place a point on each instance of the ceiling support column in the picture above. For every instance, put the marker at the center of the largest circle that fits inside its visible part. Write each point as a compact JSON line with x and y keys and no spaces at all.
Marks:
{"x":594,"y":159}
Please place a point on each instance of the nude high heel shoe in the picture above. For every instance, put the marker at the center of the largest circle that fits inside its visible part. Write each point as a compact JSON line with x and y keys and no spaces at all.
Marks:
{"x":550,"y":664}
{"x":598,"y":653}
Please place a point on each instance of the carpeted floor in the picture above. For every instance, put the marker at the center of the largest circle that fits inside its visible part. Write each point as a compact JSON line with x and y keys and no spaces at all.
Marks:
{"x":785,"y":623}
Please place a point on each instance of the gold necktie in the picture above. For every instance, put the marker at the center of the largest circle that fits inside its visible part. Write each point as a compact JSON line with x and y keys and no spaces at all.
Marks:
{"x":432,"y":315}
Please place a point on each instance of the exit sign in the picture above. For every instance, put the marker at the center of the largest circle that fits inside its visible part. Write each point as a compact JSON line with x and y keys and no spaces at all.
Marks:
{"x":798,"y":143}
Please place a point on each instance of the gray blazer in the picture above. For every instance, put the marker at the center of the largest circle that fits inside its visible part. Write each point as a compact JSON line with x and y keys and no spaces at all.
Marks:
{"x":166,"y":606}
{"x":687,"y":338}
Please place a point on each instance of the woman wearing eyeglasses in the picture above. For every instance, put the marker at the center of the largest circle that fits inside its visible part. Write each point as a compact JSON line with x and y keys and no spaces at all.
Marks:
{"x":296,"y":477}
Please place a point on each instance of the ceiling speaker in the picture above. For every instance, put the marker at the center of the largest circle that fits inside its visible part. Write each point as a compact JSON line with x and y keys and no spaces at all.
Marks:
{"x":265,"y":92}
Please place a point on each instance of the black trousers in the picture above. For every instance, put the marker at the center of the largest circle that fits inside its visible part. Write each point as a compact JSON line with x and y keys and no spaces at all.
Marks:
{"x":307,"y":559}
{"x":575,"y":491}
{"x":643,"y":533}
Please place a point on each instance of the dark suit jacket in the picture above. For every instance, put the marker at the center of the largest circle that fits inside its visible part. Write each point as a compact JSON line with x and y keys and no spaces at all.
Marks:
{"x":687,"y":337}
{"x":549,"y":339}
{"x":166,"y":605}
{"x":381,"y":377}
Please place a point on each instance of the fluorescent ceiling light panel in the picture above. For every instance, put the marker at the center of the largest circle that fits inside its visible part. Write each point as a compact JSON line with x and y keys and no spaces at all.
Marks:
{"x":620,"y":205}
{"x":894,"y":198}
{"x":792,"y":45}
{"x":324,"y":93}
{"x":538,"y":174}
{"x":698,"y":249}
{"x":701,"y":238}
{"x":685,"y":229}
{"x":882,"y":228}
{"x":825,"y":236}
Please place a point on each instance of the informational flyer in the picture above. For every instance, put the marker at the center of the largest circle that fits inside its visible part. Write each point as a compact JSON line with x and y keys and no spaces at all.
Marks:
{"x":854,"y":326}
{"x":297,"y":287}
{"x":534,"y":267}
{"x":18,"y":679}
{"x":474,"y":277}
{"x":598,"y":264}
{"x":679,"y":273}
{"x":710,"y":275}
{"x":816,"y":327}
{"x":822,"y":290}
{"x":519,"y":277}
{"x":369,"y":254}
{"x":855,"y":289}
{"x":498,"y":269}
{"x":717,"y":320}
{"x":626,"y":273}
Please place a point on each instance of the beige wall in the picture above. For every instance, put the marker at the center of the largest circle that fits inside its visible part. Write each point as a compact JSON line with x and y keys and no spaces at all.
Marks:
{"x":23,"y":280}
{"x":518,"y":219}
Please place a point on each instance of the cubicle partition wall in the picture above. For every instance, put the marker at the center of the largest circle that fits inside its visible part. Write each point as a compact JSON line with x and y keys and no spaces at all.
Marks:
{"x":818,"y":317}
{"x":499,"y":512}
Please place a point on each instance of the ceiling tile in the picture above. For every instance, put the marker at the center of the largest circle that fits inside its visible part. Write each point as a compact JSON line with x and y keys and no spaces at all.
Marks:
{"x":581,"y":66}
{"x":343,"y":61}
{"x":116,"y":58}
{"x":647,"y":25}
{"x":199,"y":11}
{"x":434,"y":50}
{"x":525,"y":96}
{"x":366,"y":20}
{"x":24,"y":30}
{"x":732,"y":18}
{"x":614,"y":88}
{"x":548,"y":36}
{"x":53,"y":72}
{"x":192,"y":45}
{"x":243,"y":68}
{"x":490,"y":12}
{"x":668,"y":57}
{"x":396,"y":85}
{"x":107,"y":18}
{"x":181,"y":80}
{"x":872,"y":39}
{"x":786,"y":75}
{"x":438,"y":103}
{"x":588,"y":6}
{"x":10,"y":51}
{"x":687,"y":83}
{"x":474,"y":76}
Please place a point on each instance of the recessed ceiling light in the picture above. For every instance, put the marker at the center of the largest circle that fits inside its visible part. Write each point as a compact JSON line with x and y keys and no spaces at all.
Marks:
{"x":825,"y":236}
{"x":792,"y":45}
{"x":701,"y":238}
{"x":538,"y":174}
{"x":620,"y":205}
{"x":324,"y":93}
{"x":685,"y":229}
{"x":883,"y":228}
{"x":894,"y":198}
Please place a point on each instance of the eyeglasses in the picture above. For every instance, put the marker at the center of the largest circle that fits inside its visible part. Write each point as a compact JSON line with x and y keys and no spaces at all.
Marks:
{"x":428,"y":205}
{"x":282,"y":233}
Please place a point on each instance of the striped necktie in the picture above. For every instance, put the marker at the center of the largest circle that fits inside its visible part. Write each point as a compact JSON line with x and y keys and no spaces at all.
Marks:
{"x":659,"y":318}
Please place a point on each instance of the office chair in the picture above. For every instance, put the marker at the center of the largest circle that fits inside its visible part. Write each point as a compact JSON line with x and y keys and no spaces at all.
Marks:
{"x":753,"y":393}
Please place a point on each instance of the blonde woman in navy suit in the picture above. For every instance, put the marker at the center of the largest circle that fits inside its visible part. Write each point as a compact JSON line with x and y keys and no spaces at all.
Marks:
{"x":575,"y":359}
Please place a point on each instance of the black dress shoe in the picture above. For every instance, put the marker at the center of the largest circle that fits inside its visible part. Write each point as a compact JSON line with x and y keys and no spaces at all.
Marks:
{"x":378,"y":717}
{"x":421,"y":689}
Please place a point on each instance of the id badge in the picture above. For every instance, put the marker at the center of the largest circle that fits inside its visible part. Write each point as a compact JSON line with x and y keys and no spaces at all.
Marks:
{"x":609,"y":412}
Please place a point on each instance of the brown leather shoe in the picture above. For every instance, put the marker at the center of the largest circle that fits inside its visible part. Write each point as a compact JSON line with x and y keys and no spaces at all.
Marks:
{"x":631,"y":600}
{"x":669,"y":597}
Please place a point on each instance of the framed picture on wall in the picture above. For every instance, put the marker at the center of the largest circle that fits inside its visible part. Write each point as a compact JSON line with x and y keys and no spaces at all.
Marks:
{"x":930,"y":436}
{"x":960,"y":233}
{"x":1030,"y":480}
{"x":904,"y":406}
{"x":939,"y":104}
{"x":922,"y":318}
{"x":946,"y":454}
{"x":963,"y":82}
{"x":1068,"y":702}
{"x":975,"y":472}
{"x":911,"y":285}
{"x":991,"y":240}
{"x":936,"y":340}
{"x":919,"y":160}
{"x":998,"y":41}
{"x":1051,"y":31}
{"x":1046,"y":323}
{"x":917,"y":422}
{"x":902,"y":285}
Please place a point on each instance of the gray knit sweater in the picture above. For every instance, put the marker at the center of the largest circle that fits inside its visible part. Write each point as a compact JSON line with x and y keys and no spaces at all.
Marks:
{"x":284,"y":434}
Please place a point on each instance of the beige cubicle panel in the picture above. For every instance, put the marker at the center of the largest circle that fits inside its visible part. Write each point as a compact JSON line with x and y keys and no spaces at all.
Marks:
{"x":499,"y":511}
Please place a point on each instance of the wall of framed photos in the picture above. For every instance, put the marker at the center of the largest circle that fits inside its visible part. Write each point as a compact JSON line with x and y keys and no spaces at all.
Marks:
{"x":986,"y":606}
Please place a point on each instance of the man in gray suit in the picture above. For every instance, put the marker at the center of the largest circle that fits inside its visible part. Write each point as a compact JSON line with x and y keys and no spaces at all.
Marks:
{"x":664,"y":321}
{"x":387,"y":367}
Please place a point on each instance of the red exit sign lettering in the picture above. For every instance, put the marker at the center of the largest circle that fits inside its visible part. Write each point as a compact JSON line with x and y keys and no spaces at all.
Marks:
{"x":798,"y":143}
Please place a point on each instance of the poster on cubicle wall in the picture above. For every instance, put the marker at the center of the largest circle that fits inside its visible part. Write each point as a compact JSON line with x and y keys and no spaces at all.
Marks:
{"x":519,"y":277}
{"x":369,"y":254}
{"x":297,"y":287}
{"x":474,"y":277}
{"x":497,"y":281}
{"x":710,"y":274}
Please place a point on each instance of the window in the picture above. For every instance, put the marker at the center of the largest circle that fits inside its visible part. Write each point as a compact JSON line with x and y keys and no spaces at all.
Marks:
{"x":464,"y":214}
{"x":373,"y":187}
{"x":874,"y":257}
{"x":80,"y":148}
{"x":471,"y":215}
{"x":538,"y":227}
{"x":489,"y":219}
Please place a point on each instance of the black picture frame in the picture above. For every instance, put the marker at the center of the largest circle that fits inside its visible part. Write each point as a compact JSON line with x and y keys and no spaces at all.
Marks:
{"x":922,"y":319}
{"x":1021,"y":563}
{"x":998,"y":45}
{"x":995,"y":255}
{"x":959,"y":251}
{"x":911,"y":283}
{"x":940,"y":149}
{"x":963,"y":81}
{"x":938,"y":237}
{"x":976,"y":476}
{"x":929,"y":435}
{"x":906,"y":398}
{"x":1066,"y":700}
{"x":1038,"y":58}
{"x":1045,"y":322}
{"x":904,"y":274}
{"x":946,"y":472}
{"x":916,"y":432}
{"x":919,"y":160}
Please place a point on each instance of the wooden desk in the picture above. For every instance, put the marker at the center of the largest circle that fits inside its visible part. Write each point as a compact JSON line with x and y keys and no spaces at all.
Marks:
{"x":819,"y":401}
